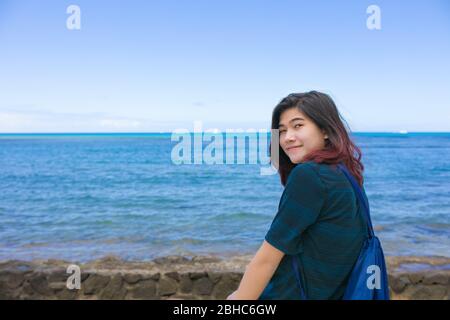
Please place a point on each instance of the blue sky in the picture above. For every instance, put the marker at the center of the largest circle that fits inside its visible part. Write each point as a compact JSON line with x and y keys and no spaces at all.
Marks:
{"x":142,"y":66}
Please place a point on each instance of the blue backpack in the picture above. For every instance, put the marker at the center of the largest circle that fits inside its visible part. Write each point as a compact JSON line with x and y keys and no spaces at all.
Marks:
{"x":368,"y":280}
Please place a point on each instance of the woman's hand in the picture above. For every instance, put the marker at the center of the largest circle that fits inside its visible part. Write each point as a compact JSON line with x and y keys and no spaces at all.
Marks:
{"x":232,"y":296}
{"x":258,"y":273}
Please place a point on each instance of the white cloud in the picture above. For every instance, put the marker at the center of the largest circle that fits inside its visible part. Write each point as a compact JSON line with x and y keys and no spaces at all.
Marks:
{"x":12,"y":121}
{"x":33,"y":120}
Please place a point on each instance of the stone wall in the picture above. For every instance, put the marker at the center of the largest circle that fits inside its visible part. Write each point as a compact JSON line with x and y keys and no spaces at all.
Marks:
{"x":177,"y":277}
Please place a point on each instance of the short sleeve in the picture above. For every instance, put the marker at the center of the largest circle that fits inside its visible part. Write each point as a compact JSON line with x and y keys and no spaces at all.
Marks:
{"x":300,"y":205}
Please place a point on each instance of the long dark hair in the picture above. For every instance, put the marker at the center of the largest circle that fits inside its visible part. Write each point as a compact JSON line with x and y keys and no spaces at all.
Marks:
{"x":339,"y":148}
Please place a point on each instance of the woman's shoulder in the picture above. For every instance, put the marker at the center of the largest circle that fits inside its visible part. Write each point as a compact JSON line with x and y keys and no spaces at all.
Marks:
{"x":304,"y":168}
{"x":332,"y":177}
{"x":305,"y":173}
{"x":325,"y":174}
{"x":319,"y":169}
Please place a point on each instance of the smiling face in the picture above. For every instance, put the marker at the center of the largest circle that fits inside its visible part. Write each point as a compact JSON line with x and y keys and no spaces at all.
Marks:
{"x":299,"y":135}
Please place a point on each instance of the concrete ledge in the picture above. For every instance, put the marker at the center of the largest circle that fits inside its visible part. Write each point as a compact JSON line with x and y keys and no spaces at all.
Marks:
{"x":177,"y":277}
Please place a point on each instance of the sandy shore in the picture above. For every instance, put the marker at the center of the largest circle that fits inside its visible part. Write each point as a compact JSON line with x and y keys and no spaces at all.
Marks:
{"x":178,"y":277}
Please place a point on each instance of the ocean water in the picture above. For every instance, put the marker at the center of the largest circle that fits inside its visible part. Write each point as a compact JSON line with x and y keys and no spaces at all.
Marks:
{"x":83,"y":196}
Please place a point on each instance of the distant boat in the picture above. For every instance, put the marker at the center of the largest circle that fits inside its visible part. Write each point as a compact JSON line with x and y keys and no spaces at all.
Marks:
{"x":403,"y":132}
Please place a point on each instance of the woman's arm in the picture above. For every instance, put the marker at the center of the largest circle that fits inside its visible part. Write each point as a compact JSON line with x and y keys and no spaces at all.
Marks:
{"x":258,"y":273}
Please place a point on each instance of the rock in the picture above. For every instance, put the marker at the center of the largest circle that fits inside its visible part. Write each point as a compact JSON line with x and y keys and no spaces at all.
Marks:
{"x":205,"y":259}
{"x":58,"y":276}
{"x":185,"y":283}
{"x":436,"y":278}
{"x":94,"y":283}
{"x":67,"y":294}
{"x":197,"y":275}
{"x":203,"y":286}
{"x":173,"y":275}
{"x":83,"y":275}
{"x":6,"y":294}
{"x":114,"y":289}
{"x":226,"y":286}
{"x":181,"y":297}
{"x":132,"y":278}
{"x":55,"y":262}
{"x":155,"y":276}
{"x":57,"y":286}
{"x":171,"y":260}
{"x":40,"y":285}
{"x":416,"y":277}
{"x":17,"y":266}
{"x":27,"y":290}
{"x":167,"y":286}
{"x":214,"y":276}
{"x":12,"y":279}
{"x":110,"y":260}
{"x":398,"y":282}
{"x":423,"y":292}
{"x":145,"y":289}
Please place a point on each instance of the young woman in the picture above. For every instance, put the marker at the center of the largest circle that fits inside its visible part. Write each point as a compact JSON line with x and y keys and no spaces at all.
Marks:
{"x":319,"y":219}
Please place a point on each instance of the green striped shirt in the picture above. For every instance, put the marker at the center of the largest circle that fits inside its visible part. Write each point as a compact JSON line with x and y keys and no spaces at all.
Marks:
{"x":319,"y":220}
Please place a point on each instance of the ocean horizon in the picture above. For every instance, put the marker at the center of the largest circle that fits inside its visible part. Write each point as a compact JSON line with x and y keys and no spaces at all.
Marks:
{"x":82,"y":196}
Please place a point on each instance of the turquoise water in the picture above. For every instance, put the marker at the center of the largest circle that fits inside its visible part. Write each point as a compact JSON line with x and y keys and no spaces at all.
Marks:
{"x":83,"y":196}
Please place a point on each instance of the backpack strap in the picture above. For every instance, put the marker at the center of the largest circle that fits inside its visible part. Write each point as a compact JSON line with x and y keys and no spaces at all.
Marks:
{"x":360,"y":196}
